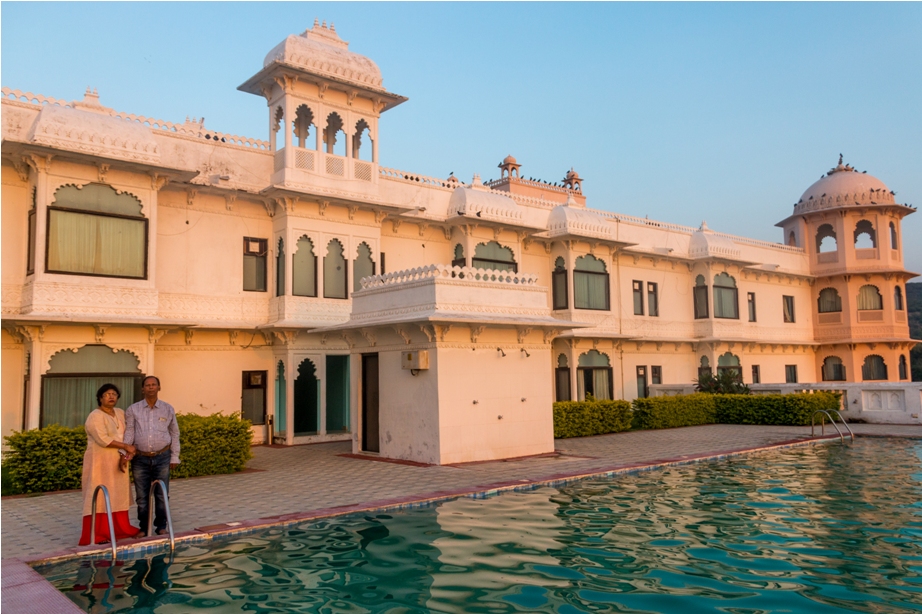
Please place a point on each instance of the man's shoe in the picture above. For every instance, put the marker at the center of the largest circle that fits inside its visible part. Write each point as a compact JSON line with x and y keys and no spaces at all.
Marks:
{"x":162,"y":531}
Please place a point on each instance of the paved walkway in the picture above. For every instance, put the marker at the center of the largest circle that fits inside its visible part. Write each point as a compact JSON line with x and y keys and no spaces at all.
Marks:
{"x":316,"y":477}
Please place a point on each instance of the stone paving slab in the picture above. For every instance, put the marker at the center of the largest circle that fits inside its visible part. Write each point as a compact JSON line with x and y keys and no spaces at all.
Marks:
{"x":306,"y":479}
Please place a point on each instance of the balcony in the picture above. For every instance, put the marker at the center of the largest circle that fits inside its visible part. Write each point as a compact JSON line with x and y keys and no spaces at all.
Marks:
{"x":309,"y":163}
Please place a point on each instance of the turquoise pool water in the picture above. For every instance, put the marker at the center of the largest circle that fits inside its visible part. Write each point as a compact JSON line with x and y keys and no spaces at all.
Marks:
{"x":814,"y":529}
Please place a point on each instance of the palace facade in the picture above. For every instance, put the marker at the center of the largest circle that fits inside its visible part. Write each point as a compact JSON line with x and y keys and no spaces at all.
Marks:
{"x":325,"y":296}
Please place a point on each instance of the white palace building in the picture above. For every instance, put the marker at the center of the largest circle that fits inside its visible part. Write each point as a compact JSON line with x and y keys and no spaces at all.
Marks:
{"x":327,"y":297}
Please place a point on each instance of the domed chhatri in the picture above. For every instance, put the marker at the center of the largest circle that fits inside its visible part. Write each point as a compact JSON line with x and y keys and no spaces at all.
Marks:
{"x":841,"y":186}
{"x":321,"y":50}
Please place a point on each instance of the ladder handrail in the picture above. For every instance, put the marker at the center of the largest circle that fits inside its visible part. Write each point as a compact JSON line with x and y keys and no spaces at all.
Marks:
{"x":831,"y":421}
{"x":108,"y":502}
{"x":152,"y":508}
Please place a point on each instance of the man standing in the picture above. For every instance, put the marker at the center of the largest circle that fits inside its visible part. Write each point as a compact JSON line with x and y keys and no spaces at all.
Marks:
{"x":150,"y":425}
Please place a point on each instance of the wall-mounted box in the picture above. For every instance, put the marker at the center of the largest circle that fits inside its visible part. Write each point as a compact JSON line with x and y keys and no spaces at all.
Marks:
{"x":416,"y":361}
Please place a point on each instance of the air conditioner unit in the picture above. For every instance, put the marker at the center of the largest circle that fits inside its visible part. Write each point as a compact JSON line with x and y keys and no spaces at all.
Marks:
{"x":415,"y":361}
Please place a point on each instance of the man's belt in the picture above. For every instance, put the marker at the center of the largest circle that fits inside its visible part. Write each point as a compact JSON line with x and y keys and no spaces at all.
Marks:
{"x":157,"y":453}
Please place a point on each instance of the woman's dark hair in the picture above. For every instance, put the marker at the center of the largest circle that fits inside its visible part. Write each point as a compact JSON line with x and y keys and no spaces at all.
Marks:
{"x":104,"y":389}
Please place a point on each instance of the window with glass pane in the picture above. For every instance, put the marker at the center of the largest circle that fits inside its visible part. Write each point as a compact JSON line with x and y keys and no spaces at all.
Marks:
{"x":701,"y":298}
{"x":652,"y":299}
{"x":594,"y":376}
{"x":756,"y":374}
{"x":494,"y":256}
{"x":833,"y":369}
{"x":869,"y":299}
{"x":656,"y":375}
{"x":254,"y":264}
{"x":280,"y":269}
{"x":96,"y":231}
{"x":638,"y":298}
{"x":304,"y":269}
{"x":726,"y":298}
{"x":790,"y":374}
{"x":874,"y":368}
{"x":559,"y":284}
{"x":751,"y":301}
{"x":704,"y":367}
{"x":562,"y":379}
{"x":898,"y":298}
{"x":788,"y":307}
{"x":904,"y":368}
{"x":590,"y":284}
{"x":730,"y":363}
{"x":642,"y":390}
{"x":30,"y":255}
{"x":337,"y":394}
{"x":253,"y":407}
{"x":334,"y":271}
{"x":829,"y":301}
{"x":363,"y":266}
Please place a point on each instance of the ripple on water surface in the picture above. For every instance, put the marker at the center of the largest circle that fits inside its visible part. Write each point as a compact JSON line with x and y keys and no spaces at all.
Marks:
{"x":810,"y":529}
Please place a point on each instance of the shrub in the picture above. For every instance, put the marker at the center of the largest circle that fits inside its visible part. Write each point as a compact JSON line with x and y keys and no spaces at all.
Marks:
{"x":45,"y":459}
{"x":673,"y":411}
{"x":776,"y":409}
{"x":585,"y":418}
{"x":212,"y":445}
{"x":42,"y":460}
{"x":726,"y":382}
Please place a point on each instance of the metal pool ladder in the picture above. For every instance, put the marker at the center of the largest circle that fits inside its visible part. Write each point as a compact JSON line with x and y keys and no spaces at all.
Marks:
{"x":832,"y":421}
{"x":108,"y":502}
{"x":152,"y":508}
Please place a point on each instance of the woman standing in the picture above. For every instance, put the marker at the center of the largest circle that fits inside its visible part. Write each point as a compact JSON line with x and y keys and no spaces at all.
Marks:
{"x":103,"y":464}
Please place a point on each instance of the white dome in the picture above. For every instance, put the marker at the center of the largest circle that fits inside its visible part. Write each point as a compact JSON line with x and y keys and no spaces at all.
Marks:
{"x":483,"y":203}
{"x":843,"y":185}
{"x":704,"y":243}
{"x":321,"y":51}
{"x":565,"y":220}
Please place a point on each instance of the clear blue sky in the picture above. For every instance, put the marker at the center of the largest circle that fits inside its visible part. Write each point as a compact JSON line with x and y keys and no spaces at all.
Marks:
{"x":682,"y":112}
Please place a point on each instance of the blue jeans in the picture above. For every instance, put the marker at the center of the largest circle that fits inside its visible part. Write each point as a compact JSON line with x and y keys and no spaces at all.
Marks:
{"x":146,"y":469}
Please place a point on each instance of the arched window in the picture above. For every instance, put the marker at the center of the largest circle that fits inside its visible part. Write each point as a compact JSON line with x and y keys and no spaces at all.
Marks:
{"x":96,"y":230}
{"x":730,"y":363}
{"x":495,"y":257}
{"x":726,"y":297}
{"x":865,"y":236}
{"x":280,"y":268}
{"x":904,"y":367}
{"x":559,"y":283}
{"x":898,"y":298}
{"x":459,"y":259}
{"x":363,"y":266}
{"x":302,"y":127}
{"x":594,"y":376}
{"x":829,"y":301}
{"x":334,"y":137}
{"x":869,"y":298}
{"x":281,"y":398}
{"x":307,"y":399}
{"x":701,"y":297}
{"x":591,"y":287}
{"x":833,"y":369}
{"x":893,"y":241}
{"x":335,"y":274}
{"x":792,"y":239}
{"x":874,"y":368}
{"x":73,"y":377}
{"x":359,"y":139}
{"x":562,"y":378}
{"x":826,"y":239}
{"x":704,"y":367}
{"x":304,"y":269}
{"x":277,"y":118}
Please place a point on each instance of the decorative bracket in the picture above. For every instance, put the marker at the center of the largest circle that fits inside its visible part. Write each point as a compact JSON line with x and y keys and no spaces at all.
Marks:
{"x":476,"y":332}
{"x":100,"y":332}
{"x":322,"y":207}
{"x":549,"y":334}
{"x":229,"y":200}
{"x":522,"y":333}
{"x":423,"y":227}
{"x":369,"y":335}
{"x":403,"y":334}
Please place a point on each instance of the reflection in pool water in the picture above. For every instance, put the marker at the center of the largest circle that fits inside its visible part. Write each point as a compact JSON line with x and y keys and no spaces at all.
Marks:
{"x":810,"y":529}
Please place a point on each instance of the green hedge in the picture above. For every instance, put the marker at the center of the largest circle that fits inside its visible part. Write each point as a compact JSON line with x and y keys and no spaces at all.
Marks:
{"x":51,"y":458}
{"x":674,"y":411}
{"x":777,"y":409}
{"x":700,"y":408}
{"x":585,"y":418}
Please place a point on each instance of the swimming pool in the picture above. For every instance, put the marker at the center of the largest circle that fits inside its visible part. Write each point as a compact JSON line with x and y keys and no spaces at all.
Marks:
{"x":808,"y":529}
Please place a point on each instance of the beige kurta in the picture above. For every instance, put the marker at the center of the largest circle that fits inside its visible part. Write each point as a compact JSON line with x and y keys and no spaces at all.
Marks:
{"x":100,"y":464}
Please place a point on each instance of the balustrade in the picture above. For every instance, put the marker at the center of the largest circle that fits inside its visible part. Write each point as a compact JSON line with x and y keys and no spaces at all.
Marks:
{"x":444,"y":271}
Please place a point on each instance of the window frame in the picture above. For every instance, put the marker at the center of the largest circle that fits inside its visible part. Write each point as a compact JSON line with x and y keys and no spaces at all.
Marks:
{"x":837,"y":369}
{"x":790,"y":374}
{"x":652,"y":299}
{"x":787,"y":309}
{"x":558,"y":371}
{"x":559,"y":276}
{"x":643,"y":385}
{"x":264,"y":250}
{"x":637,"y":293}
{"x":756,"y":374}
{"x":31,"y":226}
{"x":656,"y":375}
{"x":245,"y":380}
{"x":736,"y":301}
{"x":701,"y":299}
{"x":751,"y":306}
{"x":52,"y":208}
{"x":581,"y":372}
{"x":607,"y":277}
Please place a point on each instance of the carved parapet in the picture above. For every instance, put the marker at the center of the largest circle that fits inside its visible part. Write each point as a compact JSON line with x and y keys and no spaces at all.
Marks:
{"x":446,"y":272}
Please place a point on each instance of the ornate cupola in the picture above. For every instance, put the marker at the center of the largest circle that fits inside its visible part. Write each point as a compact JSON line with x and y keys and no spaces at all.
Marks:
{"x":509,"y":167}
{"x":326,"y":100}
{"x":573,"y":181}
